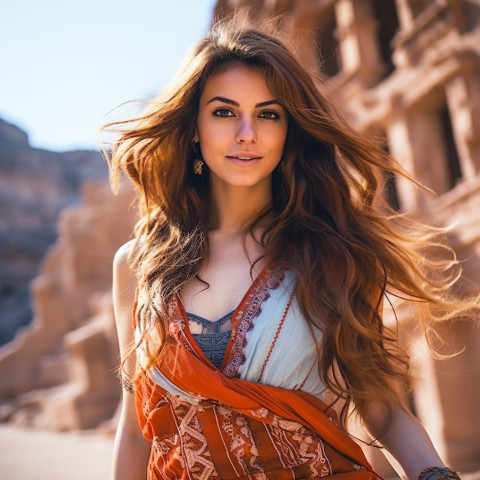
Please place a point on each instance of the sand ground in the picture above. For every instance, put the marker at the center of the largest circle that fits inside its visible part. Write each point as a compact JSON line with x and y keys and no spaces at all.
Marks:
{"x":41,"y":455}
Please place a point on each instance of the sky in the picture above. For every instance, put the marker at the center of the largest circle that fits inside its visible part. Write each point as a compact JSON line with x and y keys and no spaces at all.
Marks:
{"x":65,"y":64}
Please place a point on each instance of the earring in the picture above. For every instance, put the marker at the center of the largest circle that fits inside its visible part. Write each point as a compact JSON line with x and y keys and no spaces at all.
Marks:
{"x":198,"y":162}
{"x":197,"y":166}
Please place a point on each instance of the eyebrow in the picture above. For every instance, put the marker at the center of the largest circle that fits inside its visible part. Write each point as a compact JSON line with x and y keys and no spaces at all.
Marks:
{"x":236,"y":104}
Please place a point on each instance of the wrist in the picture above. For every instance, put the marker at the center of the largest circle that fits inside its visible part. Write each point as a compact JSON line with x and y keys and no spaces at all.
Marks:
{"x":438,"y":473}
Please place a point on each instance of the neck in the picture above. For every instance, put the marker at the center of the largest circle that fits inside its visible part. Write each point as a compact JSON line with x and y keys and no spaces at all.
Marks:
{"x":233,"y":207}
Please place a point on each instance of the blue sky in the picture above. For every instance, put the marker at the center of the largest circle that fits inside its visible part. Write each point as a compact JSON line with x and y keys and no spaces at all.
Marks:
{"x":64,"y":64}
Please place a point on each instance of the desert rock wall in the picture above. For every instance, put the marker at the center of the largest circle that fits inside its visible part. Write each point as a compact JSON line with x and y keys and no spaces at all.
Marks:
{"x":59,"y":372}
{"x":35,"y":185}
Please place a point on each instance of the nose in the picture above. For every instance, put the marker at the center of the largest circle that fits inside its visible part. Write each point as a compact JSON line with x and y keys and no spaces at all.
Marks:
{"x":246,"y":132}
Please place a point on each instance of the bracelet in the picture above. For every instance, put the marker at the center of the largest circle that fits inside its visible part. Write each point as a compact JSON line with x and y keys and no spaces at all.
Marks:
{"x":438,"y":473}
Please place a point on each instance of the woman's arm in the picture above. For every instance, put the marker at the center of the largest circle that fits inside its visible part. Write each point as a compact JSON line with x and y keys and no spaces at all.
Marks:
{"x":405,"y":439}
{"x":131,"y":450}
{"x":401,"y":434}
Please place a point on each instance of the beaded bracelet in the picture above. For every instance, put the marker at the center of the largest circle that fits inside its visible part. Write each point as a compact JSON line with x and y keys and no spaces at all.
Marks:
{"x":438,"y":473}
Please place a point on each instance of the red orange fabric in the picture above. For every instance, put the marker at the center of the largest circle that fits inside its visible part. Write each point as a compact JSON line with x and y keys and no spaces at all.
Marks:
{"x":224,"y":427}
{"x":240,"y":430}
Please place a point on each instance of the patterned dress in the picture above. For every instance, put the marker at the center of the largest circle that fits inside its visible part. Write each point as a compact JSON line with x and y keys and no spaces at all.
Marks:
{"x":256,"y":415}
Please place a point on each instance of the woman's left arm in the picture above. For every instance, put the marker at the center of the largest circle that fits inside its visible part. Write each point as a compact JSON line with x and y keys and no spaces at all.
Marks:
{"x":402,"y":434}
{"x":405,"y":439}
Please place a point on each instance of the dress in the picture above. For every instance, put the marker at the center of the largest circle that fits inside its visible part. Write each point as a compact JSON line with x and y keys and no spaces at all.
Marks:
{"x":260,"y":416}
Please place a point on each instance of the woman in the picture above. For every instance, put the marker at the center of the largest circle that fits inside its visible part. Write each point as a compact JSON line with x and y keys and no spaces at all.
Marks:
{"x":257,"y":277}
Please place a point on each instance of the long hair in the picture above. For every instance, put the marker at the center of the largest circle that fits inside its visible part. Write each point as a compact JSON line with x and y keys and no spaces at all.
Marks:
{"x":348,"y":250}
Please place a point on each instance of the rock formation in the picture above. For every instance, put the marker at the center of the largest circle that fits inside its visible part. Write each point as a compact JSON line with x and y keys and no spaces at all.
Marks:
{"x":59,"y":372}
{"x":35,"y":185}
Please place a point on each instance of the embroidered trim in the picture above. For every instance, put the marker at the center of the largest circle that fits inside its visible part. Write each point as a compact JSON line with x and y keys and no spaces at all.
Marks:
{"x":176,"y":327}
{"x":300,"y":387}
{"x":209,"y":326}
{"x":254,"y":301}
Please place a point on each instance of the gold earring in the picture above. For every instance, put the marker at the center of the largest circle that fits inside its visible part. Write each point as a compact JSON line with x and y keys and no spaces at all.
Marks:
{"x":197,"y":166}
{"x":198,"y":162}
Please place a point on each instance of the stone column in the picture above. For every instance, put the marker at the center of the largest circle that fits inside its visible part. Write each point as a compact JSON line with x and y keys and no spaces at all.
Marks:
{"x":357,"y":35}
{"x":463,"y":99}
{"x":401,"y":57}
{"x":428,"y":162}
{"x":302,"y":30}
{"x":399,"y":140}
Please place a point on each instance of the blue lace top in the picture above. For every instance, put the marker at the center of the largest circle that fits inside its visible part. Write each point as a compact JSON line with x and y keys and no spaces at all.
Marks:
{"x":212,"y":341}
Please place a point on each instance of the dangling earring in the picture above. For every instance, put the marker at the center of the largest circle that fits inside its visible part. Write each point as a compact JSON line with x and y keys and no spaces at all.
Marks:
{"x":197,"y":166}
{"x":197,"y":163}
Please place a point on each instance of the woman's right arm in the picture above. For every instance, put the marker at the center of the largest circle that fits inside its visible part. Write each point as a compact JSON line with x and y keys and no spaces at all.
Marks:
{"x":131,"y":450}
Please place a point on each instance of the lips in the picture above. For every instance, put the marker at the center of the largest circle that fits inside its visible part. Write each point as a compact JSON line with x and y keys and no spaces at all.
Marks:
{"x":245,"y":157}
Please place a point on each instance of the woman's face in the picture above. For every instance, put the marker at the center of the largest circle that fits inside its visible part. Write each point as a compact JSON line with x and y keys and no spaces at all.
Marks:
{"x":241,"y":128}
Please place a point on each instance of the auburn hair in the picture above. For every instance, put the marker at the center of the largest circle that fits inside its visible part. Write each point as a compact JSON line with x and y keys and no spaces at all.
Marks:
{"x":328,"y":222}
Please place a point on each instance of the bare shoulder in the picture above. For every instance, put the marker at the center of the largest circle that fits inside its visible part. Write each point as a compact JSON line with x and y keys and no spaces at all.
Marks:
{"x":121,"y":264}
{"x":124,"y":282}
{"x":122,"y":255}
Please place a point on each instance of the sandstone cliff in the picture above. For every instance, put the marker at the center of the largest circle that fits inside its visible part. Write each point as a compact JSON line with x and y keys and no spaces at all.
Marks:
{"x":59,"y":372}
{"x":60,"y":226}
{"x":35,"y":185}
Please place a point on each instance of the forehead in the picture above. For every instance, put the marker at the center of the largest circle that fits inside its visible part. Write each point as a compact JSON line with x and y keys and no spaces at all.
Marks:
{"x":237,"y":79}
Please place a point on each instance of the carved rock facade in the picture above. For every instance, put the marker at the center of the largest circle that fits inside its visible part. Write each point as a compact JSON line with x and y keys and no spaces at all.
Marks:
{"x":409,"y":70}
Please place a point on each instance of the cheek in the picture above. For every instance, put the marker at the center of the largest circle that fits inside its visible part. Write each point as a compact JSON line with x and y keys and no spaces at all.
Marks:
{"x":211,"y":144}
{"x":209,"y":133}
{"x":278,"y":139}
{"x":277,"y":134}
{"x":209,"y":141}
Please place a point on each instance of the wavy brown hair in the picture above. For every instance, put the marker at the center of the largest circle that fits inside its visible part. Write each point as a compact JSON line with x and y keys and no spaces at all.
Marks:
{"x":347,"y":248}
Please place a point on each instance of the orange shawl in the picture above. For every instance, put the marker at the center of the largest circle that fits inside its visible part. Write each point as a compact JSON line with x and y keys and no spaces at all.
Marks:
{"x":236,"y":429}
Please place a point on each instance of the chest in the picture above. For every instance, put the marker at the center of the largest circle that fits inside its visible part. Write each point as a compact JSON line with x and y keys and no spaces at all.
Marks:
{"x":219,"y":287}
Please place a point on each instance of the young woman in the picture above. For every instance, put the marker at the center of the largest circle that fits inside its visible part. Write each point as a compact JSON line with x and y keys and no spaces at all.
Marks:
{"x":257,"y":278}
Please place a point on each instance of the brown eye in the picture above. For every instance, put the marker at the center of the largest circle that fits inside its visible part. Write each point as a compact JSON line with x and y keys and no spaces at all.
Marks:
{"x":223,"y":112}
{"x":270,"y":115}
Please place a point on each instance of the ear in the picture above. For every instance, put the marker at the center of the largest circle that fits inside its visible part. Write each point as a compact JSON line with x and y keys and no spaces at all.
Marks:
{"x":196,"y":139}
